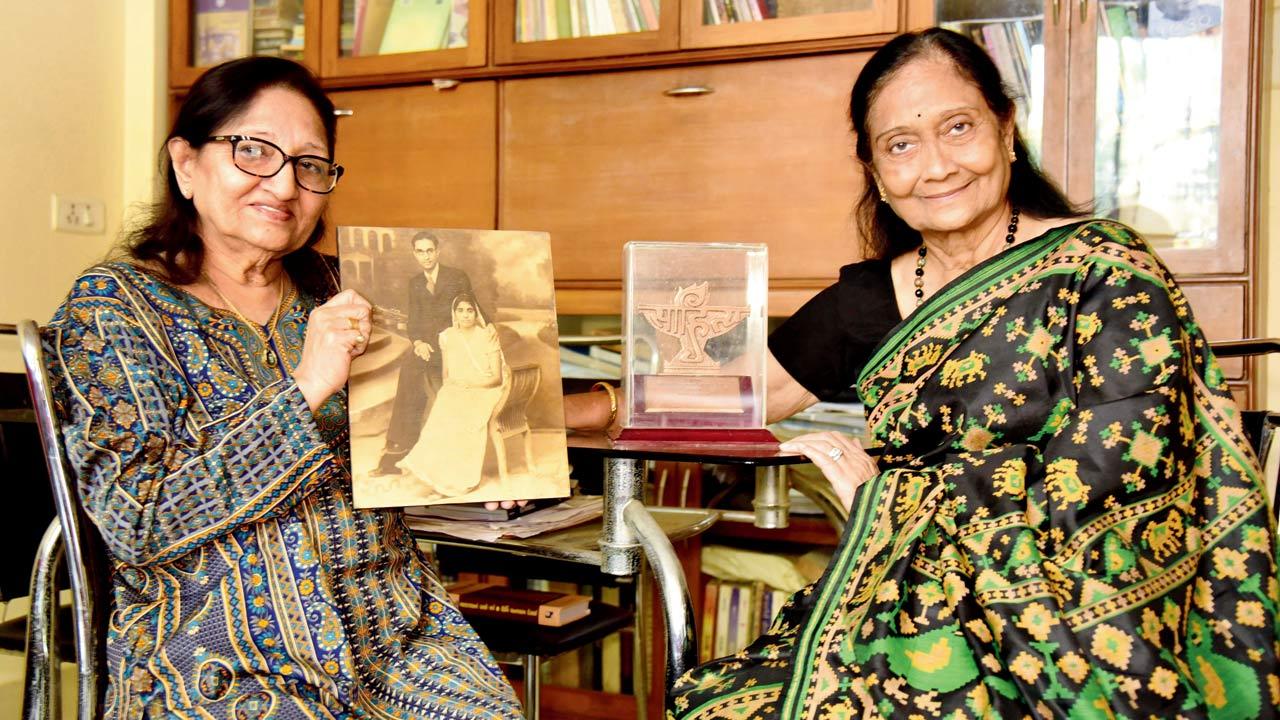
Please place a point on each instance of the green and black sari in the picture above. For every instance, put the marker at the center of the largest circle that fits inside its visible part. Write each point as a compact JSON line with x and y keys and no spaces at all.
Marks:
{"x":1068,"y":521}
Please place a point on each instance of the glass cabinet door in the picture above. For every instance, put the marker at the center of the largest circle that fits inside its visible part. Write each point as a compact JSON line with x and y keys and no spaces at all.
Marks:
{"x":714,"y":23}
{"x":389,"y":27}
{"x":534,"y":30}
{"x":369,"y":37}
{"x":226,"y":29}
{"x":208,"y":32}
{"x":1159,"y":155}
{"x":1014,"y":35}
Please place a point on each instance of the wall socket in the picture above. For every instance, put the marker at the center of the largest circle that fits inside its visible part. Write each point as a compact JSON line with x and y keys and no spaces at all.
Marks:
{"x":79,"y":215}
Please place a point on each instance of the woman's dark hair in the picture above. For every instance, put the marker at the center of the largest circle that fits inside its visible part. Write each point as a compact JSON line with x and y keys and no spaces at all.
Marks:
{"x":169,"y":238}
{"x":884,"y":234}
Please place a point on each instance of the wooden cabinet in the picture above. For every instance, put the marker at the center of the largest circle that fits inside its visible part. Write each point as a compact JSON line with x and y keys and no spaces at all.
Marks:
{"x":417,"y":157}
{"x":740,"y":152}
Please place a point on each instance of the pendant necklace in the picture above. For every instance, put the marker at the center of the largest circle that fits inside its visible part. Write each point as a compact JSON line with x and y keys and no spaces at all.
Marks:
{"x":924,"y":252}
{"x":268,"y":356}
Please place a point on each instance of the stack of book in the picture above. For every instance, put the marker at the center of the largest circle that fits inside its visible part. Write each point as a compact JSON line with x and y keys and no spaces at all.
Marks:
{"x":274,"y":25}
{"x":503,"y":602}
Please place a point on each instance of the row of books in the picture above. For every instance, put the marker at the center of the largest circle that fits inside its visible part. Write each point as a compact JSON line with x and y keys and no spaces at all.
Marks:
{"x":719,"y":12}
{"x":1009,"y":44}
{"x":229,"y":29}
{"x":384,"y":27}
{"x":559,"y":19}
{"x":734,"y":614}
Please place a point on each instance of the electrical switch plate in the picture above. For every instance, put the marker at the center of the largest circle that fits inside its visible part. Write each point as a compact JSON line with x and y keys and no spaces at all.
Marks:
{"x":78,"y":215}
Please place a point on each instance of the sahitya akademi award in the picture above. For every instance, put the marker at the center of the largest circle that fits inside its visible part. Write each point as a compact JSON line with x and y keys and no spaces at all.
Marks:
{"x":694,"y":351}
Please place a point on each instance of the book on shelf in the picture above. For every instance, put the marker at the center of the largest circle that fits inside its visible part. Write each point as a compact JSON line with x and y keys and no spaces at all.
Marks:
{"x":707,"y":631}
{"x":222,"y":31}
{"x":536,"y":607}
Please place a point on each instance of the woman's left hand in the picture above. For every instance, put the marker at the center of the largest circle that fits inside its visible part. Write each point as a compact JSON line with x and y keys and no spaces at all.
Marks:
{"x":840,"y":457}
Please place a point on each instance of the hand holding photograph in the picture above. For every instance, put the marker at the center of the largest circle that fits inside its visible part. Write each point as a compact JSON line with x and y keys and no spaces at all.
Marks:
{"x":458,"y":397}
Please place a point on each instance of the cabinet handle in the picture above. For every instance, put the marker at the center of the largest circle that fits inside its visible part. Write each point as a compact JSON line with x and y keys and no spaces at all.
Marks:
{"x":344,"y":112}
{"x":1083,"y":9}
{"x":1056,"y":5}
{"x":688,"y":90}
{"x":444,"y":83}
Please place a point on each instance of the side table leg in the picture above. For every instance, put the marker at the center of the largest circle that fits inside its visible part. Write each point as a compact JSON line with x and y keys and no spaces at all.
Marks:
{"x":532,"y":683}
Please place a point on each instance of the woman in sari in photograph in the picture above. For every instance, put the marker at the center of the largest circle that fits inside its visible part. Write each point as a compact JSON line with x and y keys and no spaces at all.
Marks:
{"x":449,"y":454}
{"x":1065,"y":519}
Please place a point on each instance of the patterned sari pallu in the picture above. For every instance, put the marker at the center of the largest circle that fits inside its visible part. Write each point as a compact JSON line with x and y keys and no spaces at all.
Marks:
{"x":1068,"y":521}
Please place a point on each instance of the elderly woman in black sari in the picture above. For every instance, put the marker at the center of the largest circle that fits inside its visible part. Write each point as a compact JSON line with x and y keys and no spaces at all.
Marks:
{"x":1065,"y":519}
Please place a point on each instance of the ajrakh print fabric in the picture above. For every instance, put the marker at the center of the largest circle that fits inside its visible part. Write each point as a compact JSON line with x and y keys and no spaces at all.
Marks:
{"x":1067,"y":522}
{"x":245,"y":584}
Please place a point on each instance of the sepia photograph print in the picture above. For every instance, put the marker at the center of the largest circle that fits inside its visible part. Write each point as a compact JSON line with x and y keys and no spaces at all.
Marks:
{"x":458,"y":397}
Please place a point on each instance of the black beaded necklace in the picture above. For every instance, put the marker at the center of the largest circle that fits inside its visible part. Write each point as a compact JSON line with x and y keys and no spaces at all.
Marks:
{"x":924,"y":252}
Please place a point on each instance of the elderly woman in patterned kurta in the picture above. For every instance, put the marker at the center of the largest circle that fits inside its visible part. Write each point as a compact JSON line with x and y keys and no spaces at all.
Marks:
{"x":1065,"y":520}
{"x":201,"y":384}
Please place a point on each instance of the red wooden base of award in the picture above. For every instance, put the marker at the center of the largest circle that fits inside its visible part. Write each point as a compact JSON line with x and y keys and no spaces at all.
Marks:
{"x":696,"y":436}
{"x":694,"y":409}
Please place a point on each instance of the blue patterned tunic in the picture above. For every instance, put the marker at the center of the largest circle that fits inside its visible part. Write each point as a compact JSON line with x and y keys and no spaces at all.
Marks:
{"x":246,"y":585}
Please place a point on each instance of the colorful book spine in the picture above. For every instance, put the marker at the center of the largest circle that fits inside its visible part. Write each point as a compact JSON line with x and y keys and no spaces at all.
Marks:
{"x":707,"y":636}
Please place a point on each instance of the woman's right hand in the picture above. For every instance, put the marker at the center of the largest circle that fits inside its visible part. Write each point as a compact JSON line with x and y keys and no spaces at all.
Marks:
{"x":337,"y":331}
{"x":840,"y":457}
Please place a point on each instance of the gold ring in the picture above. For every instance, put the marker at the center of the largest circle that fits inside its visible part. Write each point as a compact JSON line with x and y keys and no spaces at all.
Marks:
{"x":355,"y":324}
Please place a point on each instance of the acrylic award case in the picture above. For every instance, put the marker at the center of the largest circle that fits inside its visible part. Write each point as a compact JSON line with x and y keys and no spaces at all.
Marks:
{"x":693,"y":364}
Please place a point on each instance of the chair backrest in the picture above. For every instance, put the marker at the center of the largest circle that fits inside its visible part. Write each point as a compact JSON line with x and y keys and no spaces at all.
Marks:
{"x":85,"y":553}
{"x":518,"y":390}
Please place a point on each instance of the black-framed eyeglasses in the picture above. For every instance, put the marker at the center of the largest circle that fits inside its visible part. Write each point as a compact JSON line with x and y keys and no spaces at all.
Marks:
{"x":263,"y":158}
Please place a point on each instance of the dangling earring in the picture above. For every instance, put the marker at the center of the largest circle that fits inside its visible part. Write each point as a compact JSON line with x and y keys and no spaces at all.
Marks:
{"x":1013,"y":156}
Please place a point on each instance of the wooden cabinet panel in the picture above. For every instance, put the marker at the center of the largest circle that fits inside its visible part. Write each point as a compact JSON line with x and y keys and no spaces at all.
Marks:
{"x":764,"y":156}
{"x":417,"y":156}
{"x":1218,"y":307}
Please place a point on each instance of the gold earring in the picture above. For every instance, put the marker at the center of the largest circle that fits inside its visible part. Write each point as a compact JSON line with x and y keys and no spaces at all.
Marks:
{"x":880,"y":189}
{"x":1013,"y":156}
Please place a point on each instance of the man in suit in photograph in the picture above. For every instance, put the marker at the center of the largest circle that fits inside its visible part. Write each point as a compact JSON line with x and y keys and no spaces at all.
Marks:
{"x":431,"y":294}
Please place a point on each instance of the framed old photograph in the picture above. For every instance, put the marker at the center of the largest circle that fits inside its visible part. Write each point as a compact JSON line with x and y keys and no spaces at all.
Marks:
{"x":458,"y":397}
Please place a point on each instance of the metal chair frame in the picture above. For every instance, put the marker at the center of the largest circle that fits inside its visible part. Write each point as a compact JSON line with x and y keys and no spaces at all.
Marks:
{"x":72,"y":537}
